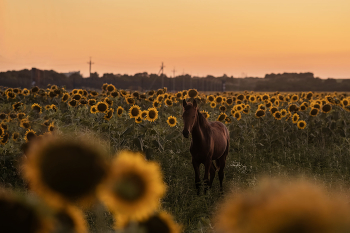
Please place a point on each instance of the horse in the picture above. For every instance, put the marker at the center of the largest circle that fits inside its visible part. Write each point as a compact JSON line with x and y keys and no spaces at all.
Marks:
{"x":210,"y":142}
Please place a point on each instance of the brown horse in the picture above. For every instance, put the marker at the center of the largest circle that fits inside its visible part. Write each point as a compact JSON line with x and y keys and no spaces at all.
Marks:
{"x":210,"y":141}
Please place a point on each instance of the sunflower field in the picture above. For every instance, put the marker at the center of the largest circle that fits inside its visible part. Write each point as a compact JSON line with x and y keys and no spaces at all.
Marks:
{"x":271,"y":134}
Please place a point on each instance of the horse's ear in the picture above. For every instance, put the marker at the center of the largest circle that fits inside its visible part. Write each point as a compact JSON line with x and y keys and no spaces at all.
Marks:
{"x":195,"y":103}
{"x":184,"y":103}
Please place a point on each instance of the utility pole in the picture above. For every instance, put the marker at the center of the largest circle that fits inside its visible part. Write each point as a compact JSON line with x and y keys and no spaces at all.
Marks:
{"x":90,"y":63}
{"x":174,"y":79}
{"x":161,"y":71}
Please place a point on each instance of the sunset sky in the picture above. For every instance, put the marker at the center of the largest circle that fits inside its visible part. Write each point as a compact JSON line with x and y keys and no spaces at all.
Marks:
{"x":198,"y":37}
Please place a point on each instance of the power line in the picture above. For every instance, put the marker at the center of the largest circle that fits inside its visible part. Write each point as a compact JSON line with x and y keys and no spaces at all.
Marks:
{"x":162,"y":70}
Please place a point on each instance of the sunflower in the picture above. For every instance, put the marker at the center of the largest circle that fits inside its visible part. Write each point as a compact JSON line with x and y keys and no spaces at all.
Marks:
{"x":120,"y":111}
{"x":109,"y":114}
{"x":262,"y":107}
{"x":102,"y":107}
{"x":240,"y":97}
{"x":238,"y":107}
{"x":133,"y":187}
{"x":211,"y":98}
{"x":19,"y":214}
{"x":138,"y":120}
{"x":65,"y":169}
{"x":345,"y":102}
{"x":53,"y":107}
{"x":294,"y":98}
{"x":29,"y":135}
{"x":314,"y":112}
{"x":301,"y":124}
{"x":229,"y":101}
{"x":171,"y":121}
{"x":73,"y":103}
{"x":309,"y":95}
{"x":284,"y":206}
{"x":35,"y":89}
{"x":134,"y":111}
{"x":237,"y":115}
{"x":108,"y":101}
{"x":295,"y":118}
{"x":152,"y":114}
{"x":3,"y":116}
{"x":2,"y":131}
{"x":284,"y":112}
{"x":15,"y":136}
{"x":17,"y":106}
{"x":11,"y":95}
{"x":25,"y":124}
{"x":160,"y":222}
{"x":91,"y":102}
{"x":221,"y":117}
{"x":205,"y":114}
{"x":37,"y":108}
{"x":213,"y":105}
{"x":114,"y":94}
{"x":156,"y":104}
{"x":51,"y":127}
{"x":65,"y":97}
{"x":4,"y":139}
{"x":93,"y":109}
{"x":168,"y":102}
{"x":130,"y":100}
{"x":47,"y":107}
{"x":160,"y":98}
{"x":277,"y":115}
{"x":192,"y":93}
{"x":273,"y":110}
{"x":252,"y":99}
{"x":110,"y":88}
{"x":259,"y":113}
{"x":293,"y":108}
{"x":222,"y":108}
{"x":265,"y":97}
{"x":326,"y":108}
{"x":144,"y":114}
{"x":218,"y":99}
{"x":268,"y":104}
{"x":71,"y":219}
{"x":25,"y":92}
{"x":316,"y":105}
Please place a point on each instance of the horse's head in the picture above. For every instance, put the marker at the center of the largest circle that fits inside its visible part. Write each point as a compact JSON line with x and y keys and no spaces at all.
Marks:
{"x":189,"y":117}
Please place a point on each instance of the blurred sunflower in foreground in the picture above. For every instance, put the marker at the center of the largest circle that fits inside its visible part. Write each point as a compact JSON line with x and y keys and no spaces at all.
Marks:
{"x":276,"y":207}
{"x":65,"y":169}
{"x":134,"y":186}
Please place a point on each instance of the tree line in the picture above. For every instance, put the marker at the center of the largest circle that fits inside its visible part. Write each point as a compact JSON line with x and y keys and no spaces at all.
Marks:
{"x":144,"y":81}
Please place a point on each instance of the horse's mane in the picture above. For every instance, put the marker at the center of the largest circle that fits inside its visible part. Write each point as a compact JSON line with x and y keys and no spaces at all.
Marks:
{"x":203,"y":122}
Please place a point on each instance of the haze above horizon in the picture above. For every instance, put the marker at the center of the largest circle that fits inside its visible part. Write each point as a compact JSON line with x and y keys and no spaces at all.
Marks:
{"x":198,"y":37}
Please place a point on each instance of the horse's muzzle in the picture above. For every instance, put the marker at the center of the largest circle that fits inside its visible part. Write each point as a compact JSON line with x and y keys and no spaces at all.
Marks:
{"x":185,"y":133}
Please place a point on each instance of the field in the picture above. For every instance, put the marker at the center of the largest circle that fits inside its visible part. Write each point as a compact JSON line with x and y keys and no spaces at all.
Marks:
{"x":272,"y":134}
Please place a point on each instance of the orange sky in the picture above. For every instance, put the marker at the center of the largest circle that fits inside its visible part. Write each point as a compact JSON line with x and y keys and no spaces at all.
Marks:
{"x":198,"y":37}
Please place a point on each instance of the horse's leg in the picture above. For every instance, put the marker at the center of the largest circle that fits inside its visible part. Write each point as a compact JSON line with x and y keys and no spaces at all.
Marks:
{"x":196,"y":172}
{"x":207,"y":166}
{"x":222,"y":163}
{"x":212,"y":173}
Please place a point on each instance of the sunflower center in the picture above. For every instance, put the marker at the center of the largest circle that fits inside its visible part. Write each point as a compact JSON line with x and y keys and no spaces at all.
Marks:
{"x":131,"y":187}
{"x":172,"y":121}
{"x":151,"y":114}
{"x":102,"y":107}
{"x":156,"y":224}
{"x":135,"y":112}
